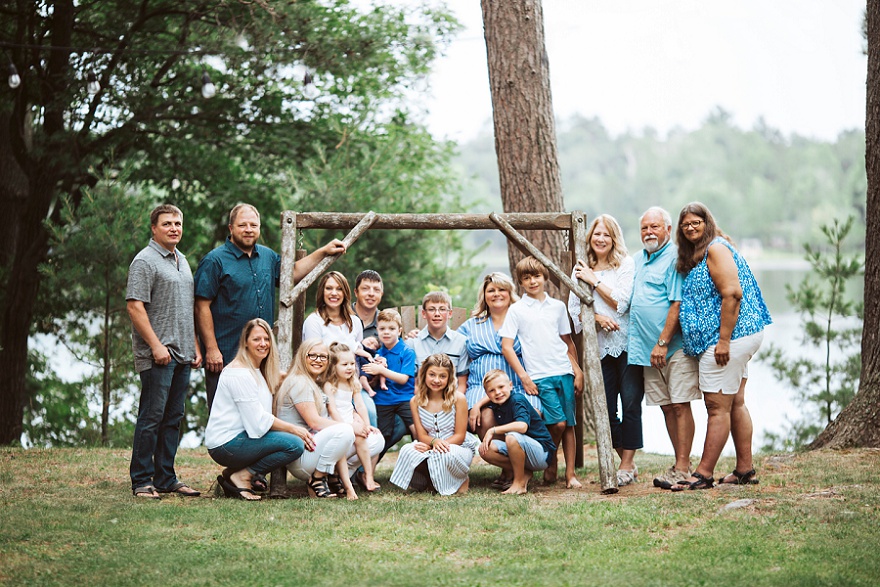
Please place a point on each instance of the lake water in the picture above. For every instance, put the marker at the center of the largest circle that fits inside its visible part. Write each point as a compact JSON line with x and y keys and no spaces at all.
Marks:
{"x":770,"y":402}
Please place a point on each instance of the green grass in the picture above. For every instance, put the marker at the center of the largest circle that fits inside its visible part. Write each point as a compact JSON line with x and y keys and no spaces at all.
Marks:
{"x":68,"y":518}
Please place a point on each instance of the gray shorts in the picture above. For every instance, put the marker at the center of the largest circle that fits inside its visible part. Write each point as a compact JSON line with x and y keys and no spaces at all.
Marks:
{"x":536,"y":456}
{"x":677,"y":383}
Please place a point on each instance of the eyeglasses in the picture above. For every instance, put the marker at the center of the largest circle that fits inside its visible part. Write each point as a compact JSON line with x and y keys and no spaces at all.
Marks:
{"x":317,"y":358}
{"x":694,"y":224}
{"x":436,"y":311}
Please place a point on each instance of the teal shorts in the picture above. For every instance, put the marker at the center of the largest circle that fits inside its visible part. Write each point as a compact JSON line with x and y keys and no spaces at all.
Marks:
{"x":557,"y":398}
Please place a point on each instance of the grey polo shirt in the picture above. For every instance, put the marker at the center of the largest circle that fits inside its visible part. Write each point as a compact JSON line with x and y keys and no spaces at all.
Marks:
{"x":163,"y":281}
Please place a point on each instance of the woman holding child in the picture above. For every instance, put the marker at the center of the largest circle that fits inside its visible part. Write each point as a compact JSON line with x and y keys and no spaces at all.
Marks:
{"x":722,"y":318}
{"x":441,"y":455}
{"x":609,"y":271}
{"x":301,"y":401}
{"x":494,"y":298}
{"x":242,"y":434}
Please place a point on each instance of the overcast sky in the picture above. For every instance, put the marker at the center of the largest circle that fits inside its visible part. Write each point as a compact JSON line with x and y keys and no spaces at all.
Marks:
{"x":667,"y":63}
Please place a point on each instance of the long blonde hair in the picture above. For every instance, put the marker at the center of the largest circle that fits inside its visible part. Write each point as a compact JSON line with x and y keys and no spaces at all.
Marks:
{"x":442,"y":361}
{"x":299,"y":372}
{"x":481,"y":308}
{"x":269,"y":366}
{"x":618,"y":247}
{"x":337,"y":349}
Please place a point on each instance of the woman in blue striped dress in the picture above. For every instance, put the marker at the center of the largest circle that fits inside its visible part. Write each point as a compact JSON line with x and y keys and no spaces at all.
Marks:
{"x":496,"y":295}
{"x":440,"y":457}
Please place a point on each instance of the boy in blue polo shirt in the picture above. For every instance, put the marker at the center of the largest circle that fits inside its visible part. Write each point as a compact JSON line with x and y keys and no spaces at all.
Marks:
{"x":397,"y":363}
{"x":519,"y":442}
{"x":551,"y":368}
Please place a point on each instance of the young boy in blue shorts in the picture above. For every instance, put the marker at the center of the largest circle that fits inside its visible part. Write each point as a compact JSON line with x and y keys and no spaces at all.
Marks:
{"x":551,"y":368}
{"x":397,"y":363}
{"x":519,"y":442}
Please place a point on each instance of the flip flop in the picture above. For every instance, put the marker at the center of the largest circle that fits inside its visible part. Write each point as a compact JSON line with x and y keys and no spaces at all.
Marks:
{"x":145,"y":492}
{"x":180,"y":489}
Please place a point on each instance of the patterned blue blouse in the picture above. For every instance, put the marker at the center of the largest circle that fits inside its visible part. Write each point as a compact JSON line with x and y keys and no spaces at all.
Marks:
{"x":700,"y":314}
{"x":484,"y":350}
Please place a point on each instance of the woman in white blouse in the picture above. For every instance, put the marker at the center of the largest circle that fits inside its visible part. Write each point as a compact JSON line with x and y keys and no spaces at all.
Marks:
{"x":609,"y":271}
{"x":242,"y":434}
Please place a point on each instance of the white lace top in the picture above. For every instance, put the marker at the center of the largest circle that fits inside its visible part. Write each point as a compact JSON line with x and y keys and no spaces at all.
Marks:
{"x":620,"y":280}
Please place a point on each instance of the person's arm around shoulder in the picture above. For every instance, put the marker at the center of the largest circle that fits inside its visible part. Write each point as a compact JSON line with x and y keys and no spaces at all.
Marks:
{"x":722,"y":269}
{"x":141,"y":322}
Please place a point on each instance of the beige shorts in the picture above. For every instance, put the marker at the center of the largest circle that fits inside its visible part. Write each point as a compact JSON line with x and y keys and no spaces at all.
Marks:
{"x":728,"y":378}
{"x":677,"y":383}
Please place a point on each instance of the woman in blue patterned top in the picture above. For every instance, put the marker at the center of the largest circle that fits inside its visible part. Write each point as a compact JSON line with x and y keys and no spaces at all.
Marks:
{"x":722,"y":318}
{"x":496,"y":295}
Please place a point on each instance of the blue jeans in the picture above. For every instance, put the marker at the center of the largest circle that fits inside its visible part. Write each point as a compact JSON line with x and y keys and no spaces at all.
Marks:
{"x":370,"y":405}
{"x":211,"y":381}
{"x":274,"y":450}
{"x":624,"y":381}
{"x":157,"y":432}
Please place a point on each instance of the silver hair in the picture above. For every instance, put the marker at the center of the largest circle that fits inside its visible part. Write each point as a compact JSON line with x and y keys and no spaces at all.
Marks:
{"x":663,"y":213}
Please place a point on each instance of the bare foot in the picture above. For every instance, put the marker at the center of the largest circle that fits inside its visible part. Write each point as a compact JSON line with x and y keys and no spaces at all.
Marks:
{"x":464,"y":487}
{"x":350,"y":495}
{"x":549,"y":478}
{"x":573,"y":483}
{"x":373,"y":486}
{"x":516,"y":490}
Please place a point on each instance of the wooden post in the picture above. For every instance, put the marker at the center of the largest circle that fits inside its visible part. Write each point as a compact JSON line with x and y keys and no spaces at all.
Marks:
{"x":324,"y":263}
{"x":595,"y":405}
{"x":590,"y":359}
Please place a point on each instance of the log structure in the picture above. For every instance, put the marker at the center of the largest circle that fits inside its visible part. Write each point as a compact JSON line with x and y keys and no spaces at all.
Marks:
{"x":292,"y":307}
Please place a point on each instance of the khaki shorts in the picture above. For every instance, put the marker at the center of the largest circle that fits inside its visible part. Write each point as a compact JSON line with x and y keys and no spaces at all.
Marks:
{"x":677,"y":383}
{"x":728,"y":378}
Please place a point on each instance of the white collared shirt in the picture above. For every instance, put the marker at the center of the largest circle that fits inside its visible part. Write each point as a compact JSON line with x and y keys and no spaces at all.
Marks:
{"x":539,"y":325}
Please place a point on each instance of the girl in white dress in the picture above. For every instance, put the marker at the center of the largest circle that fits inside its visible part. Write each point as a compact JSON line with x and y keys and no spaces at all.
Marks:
{"x":442,"y":454}
{"x":343,"y":389}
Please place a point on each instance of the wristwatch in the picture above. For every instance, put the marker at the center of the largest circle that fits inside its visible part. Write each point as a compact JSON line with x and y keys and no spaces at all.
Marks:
{"x":661,"y":342}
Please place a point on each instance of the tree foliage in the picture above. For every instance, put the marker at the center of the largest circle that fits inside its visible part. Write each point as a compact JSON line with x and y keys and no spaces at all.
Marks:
{"x":56,"y":139}
{"x":825,"y":374}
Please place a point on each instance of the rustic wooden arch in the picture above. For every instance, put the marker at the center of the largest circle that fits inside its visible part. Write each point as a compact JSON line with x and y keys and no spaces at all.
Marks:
{"x":292,"y":306}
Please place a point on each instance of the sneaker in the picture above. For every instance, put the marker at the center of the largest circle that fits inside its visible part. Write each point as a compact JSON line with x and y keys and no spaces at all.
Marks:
{"x":670,"y":477}
{"x":625,"y":477}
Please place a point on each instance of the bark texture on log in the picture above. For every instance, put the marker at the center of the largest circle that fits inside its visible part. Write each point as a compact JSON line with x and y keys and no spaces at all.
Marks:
{"x":858,"y":425}
{"x":522,"y":106}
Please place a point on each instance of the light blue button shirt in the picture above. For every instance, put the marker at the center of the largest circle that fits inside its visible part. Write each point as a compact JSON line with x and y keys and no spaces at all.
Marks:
{"x":657,"y":285}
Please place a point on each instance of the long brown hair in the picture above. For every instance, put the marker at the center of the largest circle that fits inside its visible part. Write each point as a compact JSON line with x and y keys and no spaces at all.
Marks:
{"x":345,"y":308}
{"x":690,"y":254}
{"x":442,"y":361}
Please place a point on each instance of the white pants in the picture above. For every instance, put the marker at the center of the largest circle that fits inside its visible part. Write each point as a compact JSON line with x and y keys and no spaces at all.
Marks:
{"x":331,"y":444}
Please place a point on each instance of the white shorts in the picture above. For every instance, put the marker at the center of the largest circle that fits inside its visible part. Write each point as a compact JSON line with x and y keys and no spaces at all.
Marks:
{"x":728,"y":378}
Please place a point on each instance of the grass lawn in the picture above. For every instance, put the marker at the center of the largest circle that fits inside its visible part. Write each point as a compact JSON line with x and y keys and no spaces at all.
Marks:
{"x":67,"y":517}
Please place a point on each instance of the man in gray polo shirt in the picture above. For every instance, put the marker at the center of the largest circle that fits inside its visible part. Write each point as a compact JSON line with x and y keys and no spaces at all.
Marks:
{"x":160,"y":304}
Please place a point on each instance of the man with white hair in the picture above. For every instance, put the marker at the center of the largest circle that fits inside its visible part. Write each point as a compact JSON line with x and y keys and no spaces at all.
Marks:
{"x":670,"y":378}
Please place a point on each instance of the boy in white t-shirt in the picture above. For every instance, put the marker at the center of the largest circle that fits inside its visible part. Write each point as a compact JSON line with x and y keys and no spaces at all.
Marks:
{"x":551,"y":368}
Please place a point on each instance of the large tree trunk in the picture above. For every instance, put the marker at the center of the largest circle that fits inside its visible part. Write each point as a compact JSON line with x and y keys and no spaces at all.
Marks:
{"x":859,"y":423}
{"x":525,"y":131}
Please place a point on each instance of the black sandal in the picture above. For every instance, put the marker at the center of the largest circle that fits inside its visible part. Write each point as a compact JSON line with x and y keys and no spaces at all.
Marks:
{"x":233,"y":491}
{"x":259,"y":483}
{"x":702,"y":482}
{"x":320,"y":487}
{"x":335,"y":485}
{"x":747,"y":478}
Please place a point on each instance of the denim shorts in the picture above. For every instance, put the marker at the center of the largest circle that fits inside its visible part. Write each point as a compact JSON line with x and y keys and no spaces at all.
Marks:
{"x":557,"y":398}
{"x":536,"y":456}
